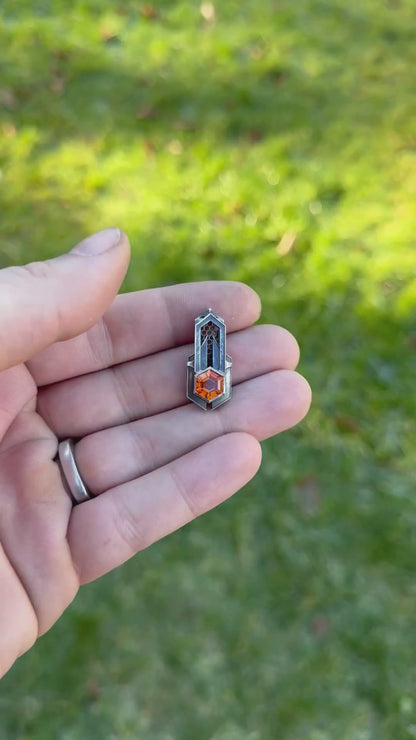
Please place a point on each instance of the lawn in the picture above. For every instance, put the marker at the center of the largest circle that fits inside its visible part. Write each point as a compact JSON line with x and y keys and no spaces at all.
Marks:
{"x":274,"y":142}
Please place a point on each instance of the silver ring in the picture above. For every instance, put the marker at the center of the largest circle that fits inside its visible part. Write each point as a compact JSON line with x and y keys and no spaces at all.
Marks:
{"x":75,"y":485}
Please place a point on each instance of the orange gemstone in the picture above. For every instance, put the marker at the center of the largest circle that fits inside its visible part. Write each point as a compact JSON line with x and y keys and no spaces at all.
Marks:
{"x":209,"y":384}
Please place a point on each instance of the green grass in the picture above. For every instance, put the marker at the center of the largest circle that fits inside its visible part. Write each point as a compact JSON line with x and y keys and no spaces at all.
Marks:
{"x":290,"y":612}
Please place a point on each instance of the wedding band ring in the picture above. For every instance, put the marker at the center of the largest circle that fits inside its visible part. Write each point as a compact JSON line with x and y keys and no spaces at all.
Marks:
{"x":76,"y":487}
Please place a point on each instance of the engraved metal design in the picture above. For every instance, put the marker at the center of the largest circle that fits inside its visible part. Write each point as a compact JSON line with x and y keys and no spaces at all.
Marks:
{"x":209,"y":368}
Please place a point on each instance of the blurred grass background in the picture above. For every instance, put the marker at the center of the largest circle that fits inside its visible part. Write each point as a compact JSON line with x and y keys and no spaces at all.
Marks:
{"x":272,"y":142}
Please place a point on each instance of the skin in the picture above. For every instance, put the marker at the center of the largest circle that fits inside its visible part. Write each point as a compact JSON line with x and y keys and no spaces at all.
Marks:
{"x":76,"y":360}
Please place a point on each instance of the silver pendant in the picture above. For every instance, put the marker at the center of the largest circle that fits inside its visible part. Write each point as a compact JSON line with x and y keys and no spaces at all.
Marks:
{"x":209,"y":368}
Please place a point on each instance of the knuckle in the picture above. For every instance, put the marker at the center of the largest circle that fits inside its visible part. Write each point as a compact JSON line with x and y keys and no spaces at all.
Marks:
{"x":121,"y":392}
{"x":130,"y":530}
{"x":101,"y":344}
{"x":38,"y":270}
{"x":185,"y":494}
{"x":146,"y":450}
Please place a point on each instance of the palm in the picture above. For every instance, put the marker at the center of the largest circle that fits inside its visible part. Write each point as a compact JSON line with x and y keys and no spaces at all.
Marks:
{"x":156,"y":460}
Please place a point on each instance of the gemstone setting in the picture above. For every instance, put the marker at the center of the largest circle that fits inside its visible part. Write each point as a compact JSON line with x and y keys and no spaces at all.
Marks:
{"x":209,"y":384}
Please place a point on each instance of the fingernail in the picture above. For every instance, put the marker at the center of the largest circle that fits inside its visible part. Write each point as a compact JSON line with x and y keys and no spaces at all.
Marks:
{"x":98,"y":243}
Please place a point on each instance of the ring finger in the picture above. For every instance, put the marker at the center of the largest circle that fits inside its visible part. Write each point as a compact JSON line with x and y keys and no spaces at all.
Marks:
{"x":150,"y":385}
{"x":261,"y":407}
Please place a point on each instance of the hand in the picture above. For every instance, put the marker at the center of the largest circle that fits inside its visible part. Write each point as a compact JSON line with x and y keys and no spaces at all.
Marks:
{"x":116,"y":383}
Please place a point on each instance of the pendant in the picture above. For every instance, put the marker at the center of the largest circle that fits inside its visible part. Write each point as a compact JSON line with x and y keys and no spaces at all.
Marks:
{"x":209,"y":368}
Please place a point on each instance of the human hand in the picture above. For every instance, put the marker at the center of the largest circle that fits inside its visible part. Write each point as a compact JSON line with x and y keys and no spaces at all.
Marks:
{"x":116,"y":383}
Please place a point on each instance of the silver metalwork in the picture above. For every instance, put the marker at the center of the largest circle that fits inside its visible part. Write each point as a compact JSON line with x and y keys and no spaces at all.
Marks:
{"x":209,"y":368}
{"x":76,"y":487}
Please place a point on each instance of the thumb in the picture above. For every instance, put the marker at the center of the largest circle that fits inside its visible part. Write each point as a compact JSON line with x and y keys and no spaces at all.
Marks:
{"x":44,"y":302}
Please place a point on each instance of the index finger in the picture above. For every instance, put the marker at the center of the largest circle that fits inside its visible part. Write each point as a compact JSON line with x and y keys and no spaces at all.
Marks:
{"x":144,"y":322}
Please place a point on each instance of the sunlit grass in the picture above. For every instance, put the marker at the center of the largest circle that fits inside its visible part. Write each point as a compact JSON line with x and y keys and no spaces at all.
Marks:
{"x":272,"y":142}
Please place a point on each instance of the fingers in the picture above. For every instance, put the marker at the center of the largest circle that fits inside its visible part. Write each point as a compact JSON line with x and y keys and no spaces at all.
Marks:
{"x":108,"y":530}
{"x":156,"y":383}
{"x":260,"y":407}
{"x":17,"y":391}
{"x":18,"y":624}
{"x":48,"y":301}
{"x":34,"y":517}
{"x":145,"y":322}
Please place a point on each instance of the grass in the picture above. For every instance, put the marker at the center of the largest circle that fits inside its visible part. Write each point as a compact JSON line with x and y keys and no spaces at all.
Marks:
{"x":273,"y":143}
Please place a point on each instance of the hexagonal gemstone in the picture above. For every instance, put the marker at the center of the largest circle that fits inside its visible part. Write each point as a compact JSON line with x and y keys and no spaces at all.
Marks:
{"x":209,"y":384}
